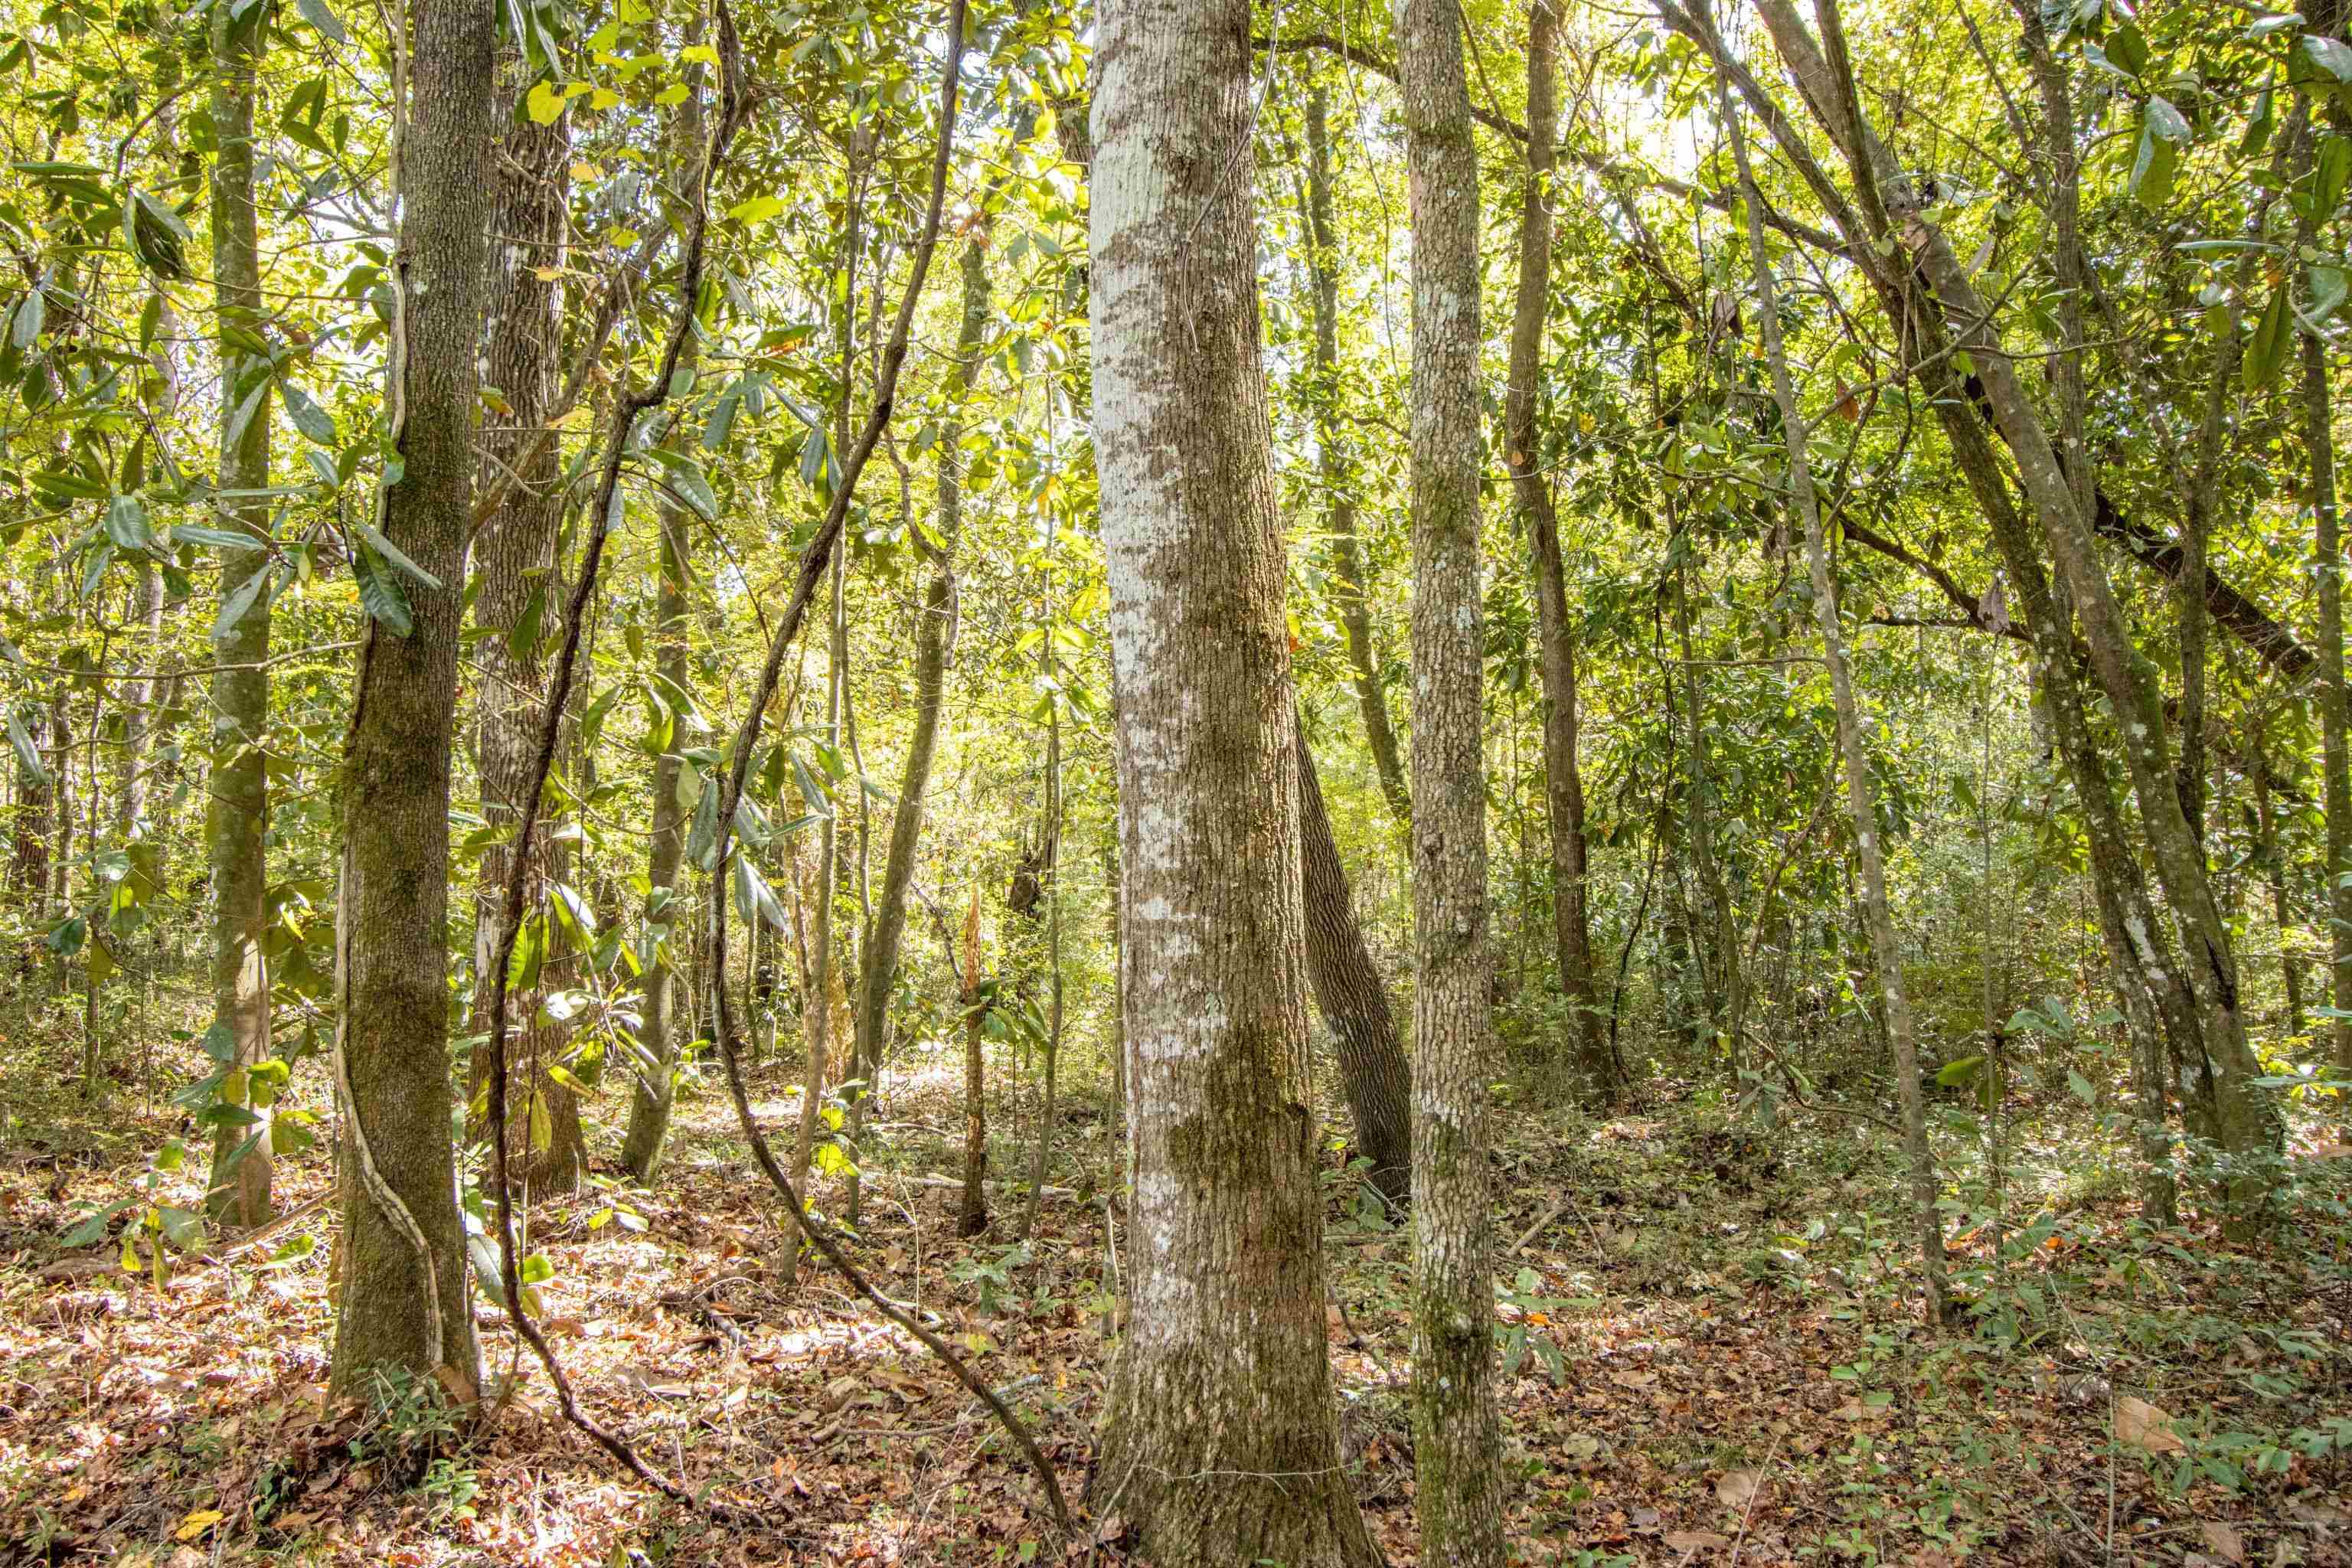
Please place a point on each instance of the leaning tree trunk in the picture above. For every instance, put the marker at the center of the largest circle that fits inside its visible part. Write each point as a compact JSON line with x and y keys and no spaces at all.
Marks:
{"x":516,"y":606}
{"x":666,"y":992}
{"x":1373,"y":1073}
{"x":1220,"y":1438}
{"x":237,"y":814}
{"x":404,"y":1301}
{"x":1861,"y":793}
{"x":1563,"y":779}
{"x":2246,"y":1123}
{"x":1457,"y":1436}
{"x":1337,"y":475}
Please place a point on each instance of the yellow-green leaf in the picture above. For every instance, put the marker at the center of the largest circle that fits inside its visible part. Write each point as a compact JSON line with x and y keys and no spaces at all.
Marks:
{"x":544,"y":104}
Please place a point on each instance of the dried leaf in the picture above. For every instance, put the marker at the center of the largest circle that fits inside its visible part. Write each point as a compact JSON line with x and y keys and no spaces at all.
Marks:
{"x":2223,"y":1541}
{"x":1737,"y":1488}
{"x":196,"y":1523}
{"x":1690,"y":1541}
{"x":2143,"y":1425}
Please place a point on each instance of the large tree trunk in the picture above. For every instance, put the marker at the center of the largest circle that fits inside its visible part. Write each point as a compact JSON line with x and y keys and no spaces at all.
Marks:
{"x":237,"y":813}
{"x":665,"y":988}
{"x":1563,"y":778}
{"x":404,"y":1301}
{"x":1337,"y":472}
{"x":1220,"y":1440}
{"x":1373,"y":1073}
{"x":516,"y":606}
{"x":1457,"y":1436}
{"x":1860,"y":792}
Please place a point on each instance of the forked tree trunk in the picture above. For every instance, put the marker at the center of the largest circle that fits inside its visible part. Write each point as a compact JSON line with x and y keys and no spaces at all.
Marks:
{"x":1220,"y":1440}
{"x":1860,"y":792}
{"x":1373,"y":1073}
{"x":1457,"y":1436}
{"x":1563,"y":777}
{"x":237,"y":814}
{"x":404,"y":1301}
{"x":517,"y":606}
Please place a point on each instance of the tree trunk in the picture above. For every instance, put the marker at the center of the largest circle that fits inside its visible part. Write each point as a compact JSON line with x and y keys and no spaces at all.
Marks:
{"x":2317,"y":415}
{"x":404,"y":1301}
{"x":664,"y":983}
{"x":1347,"y":989}
{"x":1043,"y":1147}
{"x":1220,"y":1440}
{"x":1563,"y":777}
{"x":1457,"y":1436}
{"x":2273,"y":856}
{"x":1861,"y":793}
{"x":1337,"y":473}
{"x":237,"y":814}
{"x":516,"y":606}
{"x":935,"y":633}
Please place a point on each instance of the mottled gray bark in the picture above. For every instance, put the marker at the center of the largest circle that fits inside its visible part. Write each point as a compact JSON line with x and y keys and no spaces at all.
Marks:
{"x":1456,"y":1435}
{"x":1220,"y":1442}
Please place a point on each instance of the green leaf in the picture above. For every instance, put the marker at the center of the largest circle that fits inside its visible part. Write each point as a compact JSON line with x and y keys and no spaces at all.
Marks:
{"x":684,"y":479}
{"x":2165,"y":120}
{"x":240,"y":600}
{"x":394,"y":553}
{"x":126,"y":524}
{"x":2331,"y":56}
{"x":2329,"y":174}
{"x":380,"y":591}
{"x":329,"y":25}
{"x":1955,"y":1073}
{"x":2152,"y":168}
{"x":28,"y":755}
{"x":2080,"y":1086}
{"x":32,"y":313}
{"x":219,"y":538}
{"x":309,"y":417}
{"x":2266,"y":349}
{"x":757,"y":209}
{"x":2328,"y":287}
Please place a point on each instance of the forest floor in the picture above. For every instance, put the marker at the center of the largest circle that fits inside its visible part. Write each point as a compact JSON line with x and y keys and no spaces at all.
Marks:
{"x":1717,"y":1358}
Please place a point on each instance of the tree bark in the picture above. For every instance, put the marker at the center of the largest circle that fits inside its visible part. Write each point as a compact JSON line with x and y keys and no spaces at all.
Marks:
{"x":1861,"y":793}
{"x":1563,"y":776}
{"x":404,"y":1301}
{"x":1337,"y":472}
{"x":1219,"y":1441}
{"x":236,"y":815}
{"x":516,"y":606}
{"x":2315,"y":412}
{"x":1349,"y":992}
{"x":1457,"y":1436}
